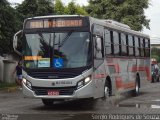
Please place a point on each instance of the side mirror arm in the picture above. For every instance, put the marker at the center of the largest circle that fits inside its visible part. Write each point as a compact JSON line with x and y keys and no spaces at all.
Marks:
{"x":15,"y":39}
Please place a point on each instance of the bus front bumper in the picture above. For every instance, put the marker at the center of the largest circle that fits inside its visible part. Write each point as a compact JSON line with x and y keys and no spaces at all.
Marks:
{"x":83,"y":92}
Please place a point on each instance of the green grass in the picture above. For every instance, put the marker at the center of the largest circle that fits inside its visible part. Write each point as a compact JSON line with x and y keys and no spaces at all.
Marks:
{"x":6,"y":85}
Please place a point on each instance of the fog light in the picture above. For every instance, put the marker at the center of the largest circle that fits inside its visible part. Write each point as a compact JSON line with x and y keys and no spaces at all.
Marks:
{"x":24,"y":81}
{"x":80,"y":84}
{"x":27,"y":83}
{"x":83,"y":82}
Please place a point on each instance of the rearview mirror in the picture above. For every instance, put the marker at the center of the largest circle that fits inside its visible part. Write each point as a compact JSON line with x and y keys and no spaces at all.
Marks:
{"x":17,"y":43}
{"x":98,"y":44}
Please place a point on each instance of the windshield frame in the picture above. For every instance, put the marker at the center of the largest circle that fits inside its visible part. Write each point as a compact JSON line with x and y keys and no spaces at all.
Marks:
{"x":52,"y":51}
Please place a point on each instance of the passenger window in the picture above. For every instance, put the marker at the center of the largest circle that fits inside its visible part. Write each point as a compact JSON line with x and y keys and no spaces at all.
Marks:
{"x":108,"y":47}
{"x":147,"y":47}
{"x":123,"y":45}
{"x":116,"y":43}
{"x":130,"y":45}
{"x":142,"y":47}
{"x":136,"y":40}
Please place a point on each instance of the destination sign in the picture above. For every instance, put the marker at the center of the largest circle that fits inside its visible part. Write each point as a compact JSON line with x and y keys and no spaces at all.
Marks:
{"x":54,"y":23}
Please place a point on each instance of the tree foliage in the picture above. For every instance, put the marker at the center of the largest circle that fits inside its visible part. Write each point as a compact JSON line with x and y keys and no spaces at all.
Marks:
{"x":45,"y":7}
{"x":71,"y":9}
{"x":130,"y":12}
{"x":8,"y":26}
{"x":155,"y":53}
{"x":30,"y":8}
{"x":59,"y":7}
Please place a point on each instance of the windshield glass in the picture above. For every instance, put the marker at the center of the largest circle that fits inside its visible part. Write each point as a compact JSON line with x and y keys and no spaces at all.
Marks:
{"x":57,"y":50}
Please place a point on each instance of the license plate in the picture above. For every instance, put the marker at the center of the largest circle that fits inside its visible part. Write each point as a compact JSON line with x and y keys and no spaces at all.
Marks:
{"x":53,"y":92}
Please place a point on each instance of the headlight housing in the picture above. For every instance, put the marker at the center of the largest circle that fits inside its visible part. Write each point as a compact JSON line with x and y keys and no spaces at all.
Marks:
{"x":83,"y":82}
{"x":27,"y":83}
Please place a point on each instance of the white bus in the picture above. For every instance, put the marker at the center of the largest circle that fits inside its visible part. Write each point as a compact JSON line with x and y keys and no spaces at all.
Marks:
{"x":74,"y":57}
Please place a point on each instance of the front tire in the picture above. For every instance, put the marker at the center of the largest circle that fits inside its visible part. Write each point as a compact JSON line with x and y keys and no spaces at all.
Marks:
{"x":107,"y":90}
{"x":47,"y":102}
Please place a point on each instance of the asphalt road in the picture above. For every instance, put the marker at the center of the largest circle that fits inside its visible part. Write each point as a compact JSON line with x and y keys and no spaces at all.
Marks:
{"x":14,"y":106}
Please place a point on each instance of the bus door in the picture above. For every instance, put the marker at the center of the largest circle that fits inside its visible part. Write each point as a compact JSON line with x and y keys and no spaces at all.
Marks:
{"x":99,"y":67}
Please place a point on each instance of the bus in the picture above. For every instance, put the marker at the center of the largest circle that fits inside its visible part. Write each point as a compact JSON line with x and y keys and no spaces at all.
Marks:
{"x":74,"y":57}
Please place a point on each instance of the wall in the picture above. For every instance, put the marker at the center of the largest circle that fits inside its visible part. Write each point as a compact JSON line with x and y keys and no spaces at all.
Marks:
{"x":12,"y":57}
{"x":1,"y":68}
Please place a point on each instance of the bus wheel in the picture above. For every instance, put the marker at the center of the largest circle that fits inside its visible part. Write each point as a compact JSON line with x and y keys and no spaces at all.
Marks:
{"x":107,"y":89}
{"x":137,"y":86}
{"x":47,"y":102}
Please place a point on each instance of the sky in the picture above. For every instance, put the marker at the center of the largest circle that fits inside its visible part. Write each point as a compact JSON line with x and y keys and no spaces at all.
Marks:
{"x":152,"y":13}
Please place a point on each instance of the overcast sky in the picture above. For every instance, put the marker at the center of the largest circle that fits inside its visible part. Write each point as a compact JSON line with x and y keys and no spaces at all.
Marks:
{"x":152,"y":13}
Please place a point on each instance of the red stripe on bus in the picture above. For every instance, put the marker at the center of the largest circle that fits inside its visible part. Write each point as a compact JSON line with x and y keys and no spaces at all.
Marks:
{"x":138,"y":68}
{"x":117,"y":68}
{"x":119,"y":84}
{"x":148,"y":73}
{"x":98,"y":76}
{"x":129,"y":85}
{"x":146,"y":69}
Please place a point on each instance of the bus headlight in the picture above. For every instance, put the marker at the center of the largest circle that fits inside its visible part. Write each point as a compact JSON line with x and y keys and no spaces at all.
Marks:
{"x":83,"y":82}
{"x":87,"y":80}
{"x":27,"y":83}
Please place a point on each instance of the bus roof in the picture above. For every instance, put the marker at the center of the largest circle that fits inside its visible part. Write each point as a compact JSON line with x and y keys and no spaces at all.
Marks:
{"x":118,"y":26}
{"x":54,"y":16}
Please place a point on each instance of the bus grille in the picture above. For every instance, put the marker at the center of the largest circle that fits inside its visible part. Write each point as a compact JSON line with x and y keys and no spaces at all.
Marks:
{"x":51,"y":75}
{"x":62,"y":90}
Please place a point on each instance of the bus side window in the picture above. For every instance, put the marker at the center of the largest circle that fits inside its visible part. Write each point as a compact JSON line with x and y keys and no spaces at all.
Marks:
{"x":142,"y":47}
{"x":123,"y":45}
{"x":134,"y":52}
{"x":136,"y":46}
{"x":130,"y":45}
{"x":116,"y":43}
{"x":147,"y":48}
{"x":139,"y":47}
{"x":108,"y":47}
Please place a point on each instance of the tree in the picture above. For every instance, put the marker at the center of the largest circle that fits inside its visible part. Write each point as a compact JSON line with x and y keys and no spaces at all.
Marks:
{"x":59,"y":7}
{"x":155,"y":53}
{"x":30,"y":8}
{"x":130,"y":12}
{"x":72,"y":9}
{"x":8,"y":26}
{"x":45,"y":7}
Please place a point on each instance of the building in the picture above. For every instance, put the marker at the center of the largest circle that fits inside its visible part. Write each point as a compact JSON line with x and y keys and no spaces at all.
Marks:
{"x":155,"y":42}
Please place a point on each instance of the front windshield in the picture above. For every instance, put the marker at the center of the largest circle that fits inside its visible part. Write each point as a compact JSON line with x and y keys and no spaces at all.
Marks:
{"x":57,"y":50}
